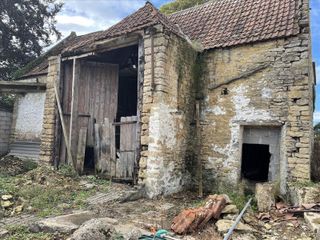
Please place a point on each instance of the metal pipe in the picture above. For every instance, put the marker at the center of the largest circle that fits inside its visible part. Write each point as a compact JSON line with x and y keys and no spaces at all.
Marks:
{"x":237,"y":220}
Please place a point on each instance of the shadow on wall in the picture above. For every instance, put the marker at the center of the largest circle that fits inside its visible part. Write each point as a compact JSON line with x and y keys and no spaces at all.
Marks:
{"x":315,"y":164}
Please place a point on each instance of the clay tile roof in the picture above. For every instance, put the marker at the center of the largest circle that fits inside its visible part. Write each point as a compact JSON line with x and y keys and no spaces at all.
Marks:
{"x":223,"y":23}
{"x":218,"y":23}
{"x":82,"y":43}
{"x":40,"y":65}
{"x":146,"y":16}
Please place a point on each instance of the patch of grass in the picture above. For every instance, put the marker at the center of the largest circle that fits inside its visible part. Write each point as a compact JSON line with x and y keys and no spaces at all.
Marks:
{"x":7,"y":185}
{"x":237,"y":196}
{"x":302,"y":184}
{"x":22,"y":233}
{"x":50,"y":192}
{"x":198,"y":203}
{"x":68,"y":171}
{"x":79,"y":198}
{"x":117,"y":236}
{"x":12,"y":166}
{"x":102,"y":184}
{"x":54,"y":200}
{"x":45,"y":199}
{"x":29,"y":165}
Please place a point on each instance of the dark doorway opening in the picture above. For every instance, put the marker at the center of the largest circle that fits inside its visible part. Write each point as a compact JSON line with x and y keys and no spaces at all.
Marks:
{"x":127,"y":88}
{"x":89,"y":161}
{"x":255,"y":162}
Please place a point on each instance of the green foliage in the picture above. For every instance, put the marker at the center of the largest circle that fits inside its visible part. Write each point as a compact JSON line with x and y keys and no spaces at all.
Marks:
{"x":68,"y":171}
{"x":179,"y":5}
{"x":198,"y":70}
{"x":26,"y":26}
{"x":7,"y":185}
{"x":7,"y":100}
{"x":305,"y":184}
{"x":59,"y":192}
{"x":45,"y":200}
{"x":237,"y":195}
{"x":117,"y":236}
{"x":17,"y":232}
{"x":29,"y":165}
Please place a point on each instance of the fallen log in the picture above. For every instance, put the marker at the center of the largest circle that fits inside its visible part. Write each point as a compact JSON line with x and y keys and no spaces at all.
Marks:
{"x":191,"y":220}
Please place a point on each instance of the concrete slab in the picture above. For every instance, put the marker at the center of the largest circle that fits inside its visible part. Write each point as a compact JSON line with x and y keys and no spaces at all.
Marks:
{"x":63,"y":224}
{"x":313,"y":221}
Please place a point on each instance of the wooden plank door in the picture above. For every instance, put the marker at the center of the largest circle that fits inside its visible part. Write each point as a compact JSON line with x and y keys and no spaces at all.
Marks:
{"x":97,"y":94}
{"x":125,"y":165}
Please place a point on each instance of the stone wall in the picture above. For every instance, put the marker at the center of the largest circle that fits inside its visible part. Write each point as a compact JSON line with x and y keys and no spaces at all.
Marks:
{"x":167,"y":112}
{"x":262,"y":84}
{"x":5,"y":129}
{"x":50,"y":113}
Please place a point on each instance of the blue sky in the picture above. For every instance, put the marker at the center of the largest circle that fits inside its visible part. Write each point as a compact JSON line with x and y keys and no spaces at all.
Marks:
{"x":84,"y":16}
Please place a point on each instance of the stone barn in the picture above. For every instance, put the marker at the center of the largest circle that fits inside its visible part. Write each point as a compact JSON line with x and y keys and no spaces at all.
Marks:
{"x":216,"y":94}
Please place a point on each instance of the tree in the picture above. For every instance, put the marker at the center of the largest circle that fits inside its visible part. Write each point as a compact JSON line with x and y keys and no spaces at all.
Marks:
{"x":317,"y":131}
{"x":179,"y":5}
{"x":26,"y":27}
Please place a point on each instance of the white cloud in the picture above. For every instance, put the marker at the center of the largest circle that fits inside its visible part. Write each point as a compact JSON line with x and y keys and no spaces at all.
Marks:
{"x":85,"y":16}
{"x":316,"y":117}
{"x":318,"y":74}
{"x":76,"y":20}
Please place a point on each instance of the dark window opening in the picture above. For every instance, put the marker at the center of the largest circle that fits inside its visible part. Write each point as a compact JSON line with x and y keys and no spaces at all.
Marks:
{"x":127,"y":97}
{"x":255,"y":162}
{"x":89,"y":161}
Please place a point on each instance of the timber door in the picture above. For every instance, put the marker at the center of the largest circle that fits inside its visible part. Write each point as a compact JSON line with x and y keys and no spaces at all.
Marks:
{"x":125,"y":165}
{"x":90,"y":105}
{"x":90,"y":92}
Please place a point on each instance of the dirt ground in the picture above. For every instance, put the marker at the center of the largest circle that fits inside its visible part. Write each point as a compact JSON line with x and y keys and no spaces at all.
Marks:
{"x":159,"y":212}
{"x":39,"y":193}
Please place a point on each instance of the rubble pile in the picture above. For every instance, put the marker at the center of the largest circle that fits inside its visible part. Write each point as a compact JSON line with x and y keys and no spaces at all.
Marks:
{"x":12,"y":165}
{"x":11,"y":205}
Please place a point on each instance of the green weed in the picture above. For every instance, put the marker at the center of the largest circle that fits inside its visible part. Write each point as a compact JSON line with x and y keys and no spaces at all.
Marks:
{"x":22,"y":233}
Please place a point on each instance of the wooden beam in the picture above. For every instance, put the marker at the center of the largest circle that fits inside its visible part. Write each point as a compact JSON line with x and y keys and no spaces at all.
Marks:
{"x":242,"y":75}
{"x":74,"y":109}
{"x":21,"y":87}
{"x":119,"y":42}
{"x":78,"y":56}
{"x":18,"y":91}
{"x":199,"y":160}
{"x":22,"y":84}
{"x":64,"y":131}
{"x":97,"y":143}
{"x":81,"y":149}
